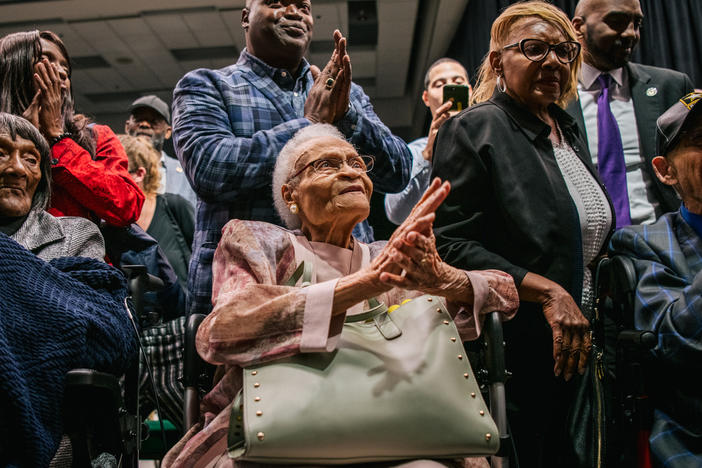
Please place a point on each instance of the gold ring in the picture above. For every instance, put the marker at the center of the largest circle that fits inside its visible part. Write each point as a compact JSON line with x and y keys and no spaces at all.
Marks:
{"x":329,"y":84}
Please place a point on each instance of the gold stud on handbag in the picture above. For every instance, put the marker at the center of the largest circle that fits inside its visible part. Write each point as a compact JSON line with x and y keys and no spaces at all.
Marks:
{"x":397,"y":387}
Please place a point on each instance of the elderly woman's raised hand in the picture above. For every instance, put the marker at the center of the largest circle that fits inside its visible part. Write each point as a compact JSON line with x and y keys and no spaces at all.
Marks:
{"x":434,"y":196}
{"x":419,"y":221}
{"x":424,"y":270}
{"x":411,"y":260}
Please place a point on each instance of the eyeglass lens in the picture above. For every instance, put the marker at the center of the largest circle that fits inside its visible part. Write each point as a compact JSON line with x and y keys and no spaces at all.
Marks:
{"x":360,"y":163}
{"x":537,"y":50}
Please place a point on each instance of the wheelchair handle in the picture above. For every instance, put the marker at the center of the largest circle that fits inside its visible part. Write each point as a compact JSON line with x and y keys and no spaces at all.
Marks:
{"x":637,"y":338}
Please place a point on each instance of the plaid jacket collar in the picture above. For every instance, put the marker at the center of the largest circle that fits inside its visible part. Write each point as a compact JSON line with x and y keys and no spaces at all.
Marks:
{"x":690,"y":242}
{"x":261,"y":72}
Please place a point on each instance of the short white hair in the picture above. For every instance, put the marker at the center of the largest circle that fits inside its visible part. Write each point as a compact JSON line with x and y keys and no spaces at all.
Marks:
{"x":285,"y":164}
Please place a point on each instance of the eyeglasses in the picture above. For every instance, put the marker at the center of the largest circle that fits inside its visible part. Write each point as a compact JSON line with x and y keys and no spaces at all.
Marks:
{"x":537,"y":50}
{"x":332,"y":165}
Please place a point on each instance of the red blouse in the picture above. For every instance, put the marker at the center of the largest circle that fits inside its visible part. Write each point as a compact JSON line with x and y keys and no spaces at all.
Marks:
{"x":99,"y":188}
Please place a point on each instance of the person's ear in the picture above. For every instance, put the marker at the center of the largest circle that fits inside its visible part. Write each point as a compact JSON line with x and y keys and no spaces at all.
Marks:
{"x":139,"y":175}
{"x":579,"y":25}
{"x":245,"y":19}
{"x":425,"y":98}
{"x":287,"y":191}
{"x":495,"y":58}
{"x":126,"y":125}
{"x":169,"y":132}
{"x":664,"y":170}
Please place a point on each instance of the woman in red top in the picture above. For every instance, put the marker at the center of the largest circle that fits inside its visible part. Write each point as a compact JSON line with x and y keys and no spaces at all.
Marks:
{"x":89,"y":165}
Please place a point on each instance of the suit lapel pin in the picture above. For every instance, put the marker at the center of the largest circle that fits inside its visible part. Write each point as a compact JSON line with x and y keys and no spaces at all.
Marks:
{"x":652,"y":91}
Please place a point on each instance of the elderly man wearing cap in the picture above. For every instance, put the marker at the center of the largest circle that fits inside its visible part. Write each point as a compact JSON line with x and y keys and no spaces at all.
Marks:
{"x":150,"y":117}
{"x":668,"y":260}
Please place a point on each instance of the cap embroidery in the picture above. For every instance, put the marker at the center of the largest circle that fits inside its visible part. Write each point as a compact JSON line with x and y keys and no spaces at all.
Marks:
{"x":690,"y":100}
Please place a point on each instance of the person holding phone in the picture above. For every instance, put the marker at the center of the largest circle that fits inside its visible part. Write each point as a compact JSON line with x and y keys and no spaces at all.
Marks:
{"x":443,"y":101}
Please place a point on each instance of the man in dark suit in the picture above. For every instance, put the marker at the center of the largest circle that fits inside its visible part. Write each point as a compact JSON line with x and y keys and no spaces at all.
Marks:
{"x":631,"y":96}
{"x":667,"y":259}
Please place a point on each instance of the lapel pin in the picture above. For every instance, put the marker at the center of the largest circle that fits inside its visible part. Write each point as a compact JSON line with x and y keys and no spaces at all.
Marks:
{"x":652,"y":91}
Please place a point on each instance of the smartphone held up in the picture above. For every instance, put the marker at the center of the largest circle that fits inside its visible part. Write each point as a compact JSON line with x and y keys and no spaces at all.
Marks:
{"x":459,"y":94}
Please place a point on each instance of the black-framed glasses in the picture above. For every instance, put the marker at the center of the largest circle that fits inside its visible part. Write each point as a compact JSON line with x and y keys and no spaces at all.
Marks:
{"x":536,"y":50}
{"x":331,"y":165}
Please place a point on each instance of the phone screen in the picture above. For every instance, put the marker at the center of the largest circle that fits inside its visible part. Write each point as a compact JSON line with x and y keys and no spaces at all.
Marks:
{"x":459,"y":93}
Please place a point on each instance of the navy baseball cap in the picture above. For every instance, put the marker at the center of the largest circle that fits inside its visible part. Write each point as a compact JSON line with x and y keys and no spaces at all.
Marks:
{"x":671,"y":123}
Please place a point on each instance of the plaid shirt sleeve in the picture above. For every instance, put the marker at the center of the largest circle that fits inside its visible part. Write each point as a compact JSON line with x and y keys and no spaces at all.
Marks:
{"x":361,"y":126}
{"x":215,"y":138}
{"x":668,"y":301}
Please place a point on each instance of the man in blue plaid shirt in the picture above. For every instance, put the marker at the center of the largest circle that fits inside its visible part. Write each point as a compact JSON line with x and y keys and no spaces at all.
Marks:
{"x":668,"y":260}
{"x":230,"y":124}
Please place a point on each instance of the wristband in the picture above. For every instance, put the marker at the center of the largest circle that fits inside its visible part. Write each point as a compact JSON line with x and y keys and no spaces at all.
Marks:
{"x":56,"y":139}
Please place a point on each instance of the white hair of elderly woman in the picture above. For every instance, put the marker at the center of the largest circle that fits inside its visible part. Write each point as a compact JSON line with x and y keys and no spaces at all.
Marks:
{"x":285,"y":164}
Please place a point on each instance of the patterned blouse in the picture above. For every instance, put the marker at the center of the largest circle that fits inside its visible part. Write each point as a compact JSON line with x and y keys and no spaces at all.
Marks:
{"x":594,"y":213}
{"x":257,"y":318}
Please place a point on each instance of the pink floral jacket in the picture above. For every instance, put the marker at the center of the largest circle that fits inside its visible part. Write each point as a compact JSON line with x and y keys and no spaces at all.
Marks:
{"x":257,"y":318}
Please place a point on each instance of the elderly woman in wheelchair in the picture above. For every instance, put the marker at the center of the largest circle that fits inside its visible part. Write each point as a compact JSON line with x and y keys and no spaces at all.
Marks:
{"x":56,"y":316}
{"x":322,"y":190}
{"x":25,"y":189}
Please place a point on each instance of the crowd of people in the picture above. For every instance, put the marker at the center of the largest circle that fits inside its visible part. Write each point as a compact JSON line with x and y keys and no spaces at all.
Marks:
{"x":568,"y":153}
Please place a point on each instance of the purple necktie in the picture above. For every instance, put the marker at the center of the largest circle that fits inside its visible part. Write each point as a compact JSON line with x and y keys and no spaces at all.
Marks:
{"x":610,"y":155}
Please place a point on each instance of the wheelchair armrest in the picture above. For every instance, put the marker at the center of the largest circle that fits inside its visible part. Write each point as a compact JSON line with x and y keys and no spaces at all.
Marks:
{"x":494,"y":344}
{"x":146,"y":281}
{"x":643,"y":340}
{"x":139,"y":282}
{"x":193,"y":364}
{"x":95,"y":418}
{"x":619,"y":279}
{"x":193,"y":370}
{"x":497,"y":375}
{"x":108,"y":384}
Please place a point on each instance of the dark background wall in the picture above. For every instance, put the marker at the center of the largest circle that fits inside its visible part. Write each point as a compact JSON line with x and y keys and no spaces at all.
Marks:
{"x":671,"y":35}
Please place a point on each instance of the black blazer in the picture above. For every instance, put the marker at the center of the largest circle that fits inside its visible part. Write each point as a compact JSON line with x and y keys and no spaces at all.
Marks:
{"x":670,"y":86}
{"x":509,"y":206}
{"x":510,"y":209}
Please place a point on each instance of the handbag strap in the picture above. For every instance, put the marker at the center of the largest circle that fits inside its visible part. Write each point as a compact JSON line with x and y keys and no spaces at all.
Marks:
{"x":304,"y":271}
{"x":376,"y":308}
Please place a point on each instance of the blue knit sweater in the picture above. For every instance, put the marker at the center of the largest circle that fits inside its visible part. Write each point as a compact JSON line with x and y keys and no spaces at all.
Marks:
{"x":54,"y":317}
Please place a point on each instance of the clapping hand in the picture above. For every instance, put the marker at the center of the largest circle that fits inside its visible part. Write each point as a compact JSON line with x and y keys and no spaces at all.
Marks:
{"x":413,"y":243}
{"x":328,"y":99}
{"x":414,"y":253}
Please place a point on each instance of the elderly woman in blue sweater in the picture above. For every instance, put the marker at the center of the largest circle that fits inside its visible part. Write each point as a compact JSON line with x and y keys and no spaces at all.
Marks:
{"x":55,"y":316}
{"x":25,"y":190}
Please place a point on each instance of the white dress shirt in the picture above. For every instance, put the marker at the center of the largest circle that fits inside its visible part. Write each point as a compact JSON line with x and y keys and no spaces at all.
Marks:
{"x":399,"y":205}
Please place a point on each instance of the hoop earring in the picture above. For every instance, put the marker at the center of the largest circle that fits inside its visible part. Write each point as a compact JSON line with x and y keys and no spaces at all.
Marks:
{"x":294,"y":209}
{"x":501,"y":85}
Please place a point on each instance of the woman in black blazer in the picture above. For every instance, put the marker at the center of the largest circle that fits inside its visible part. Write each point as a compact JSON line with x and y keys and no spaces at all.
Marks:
{"x":526,"y":200}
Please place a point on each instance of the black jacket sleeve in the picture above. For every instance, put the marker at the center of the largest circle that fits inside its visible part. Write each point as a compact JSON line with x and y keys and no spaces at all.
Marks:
{"x":464,"y":219}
